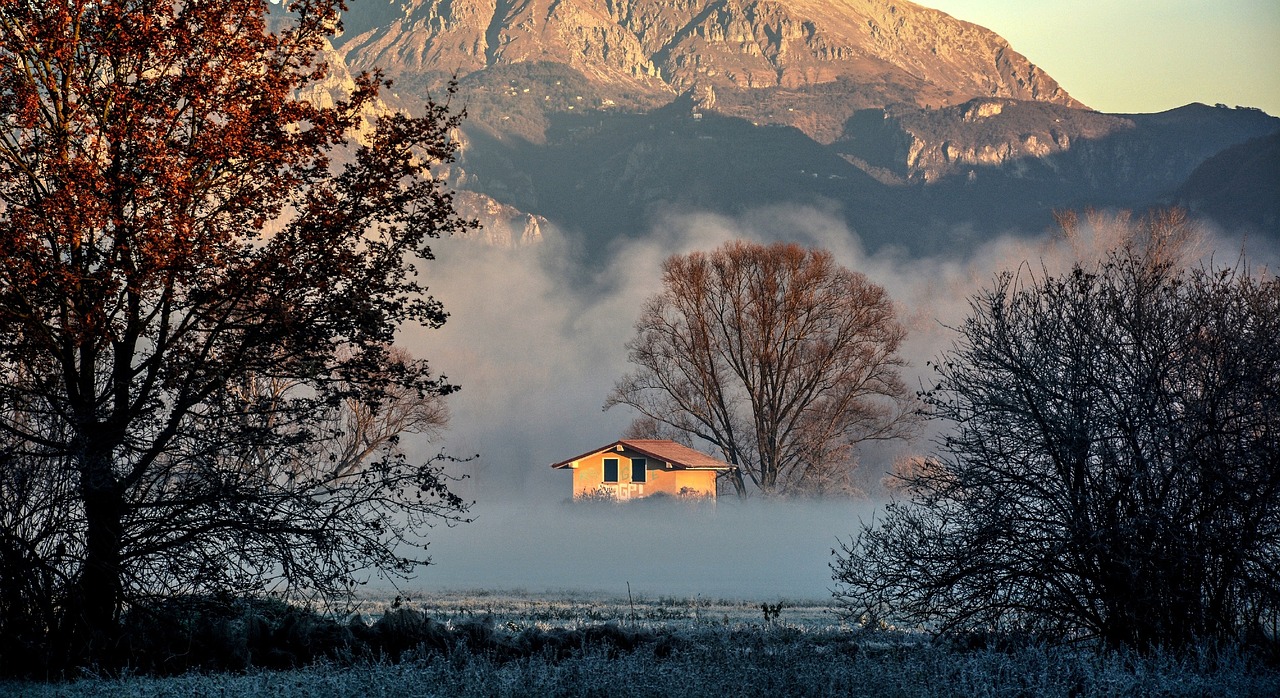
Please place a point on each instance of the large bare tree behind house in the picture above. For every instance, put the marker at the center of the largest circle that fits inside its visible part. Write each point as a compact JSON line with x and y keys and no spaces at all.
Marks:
{"x":776,"y":356}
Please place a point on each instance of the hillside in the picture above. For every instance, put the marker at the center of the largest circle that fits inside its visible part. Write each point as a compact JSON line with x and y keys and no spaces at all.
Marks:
{"x":1238,"y":186}
{"x":604,"y":175}
{"x":917,"y":129}
{"x":806,"y":63}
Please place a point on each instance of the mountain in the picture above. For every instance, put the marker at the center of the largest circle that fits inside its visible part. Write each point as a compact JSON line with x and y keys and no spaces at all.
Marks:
{"x":919,"y":130}
{"x":1089,"y":154}
{"x":1239,"y":186}
{"x":805,"y":63}
{"x":604,"y":175}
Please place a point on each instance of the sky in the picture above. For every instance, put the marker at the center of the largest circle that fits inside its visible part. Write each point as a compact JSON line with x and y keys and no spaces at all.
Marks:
{"x":1139,"y":56}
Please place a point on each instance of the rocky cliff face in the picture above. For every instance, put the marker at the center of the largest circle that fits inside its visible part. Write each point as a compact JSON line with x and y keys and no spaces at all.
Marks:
{"x":808,"y":63}
{"x":501,"y":225}
{"x":602,"y":115}
{"x":811,"y":42}
{"x":338,"y":86}
{"x":1035,"y":140}
{"x":927,"y":145}
{"x":443,"y":37}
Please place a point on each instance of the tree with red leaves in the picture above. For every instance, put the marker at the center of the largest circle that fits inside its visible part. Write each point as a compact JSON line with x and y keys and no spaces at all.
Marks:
{"x":198,"y":392}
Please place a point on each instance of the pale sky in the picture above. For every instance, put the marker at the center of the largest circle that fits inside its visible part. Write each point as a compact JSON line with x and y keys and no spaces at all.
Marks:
{"x":1129,"y":56}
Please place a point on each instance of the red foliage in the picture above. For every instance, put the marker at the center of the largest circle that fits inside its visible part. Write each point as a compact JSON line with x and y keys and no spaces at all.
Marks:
{"x":172,"y":228}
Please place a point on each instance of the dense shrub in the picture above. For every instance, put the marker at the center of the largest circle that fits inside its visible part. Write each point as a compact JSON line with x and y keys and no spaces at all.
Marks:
{"x":179,"y":635}
{"x":184,"y":634}
{"x":718,"y":661}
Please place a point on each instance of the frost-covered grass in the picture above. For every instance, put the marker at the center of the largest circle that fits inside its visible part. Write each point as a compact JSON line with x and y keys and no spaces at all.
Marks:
{"x":696,"y":647}
{"x":573,"y":609}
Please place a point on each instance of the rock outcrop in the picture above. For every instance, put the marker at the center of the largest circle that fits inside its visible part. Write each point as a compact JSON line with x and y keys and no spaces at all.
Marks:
{"x":446,"y":37}
{"x":500,"y":225}
{"x":338,"y":86}
{"x":807,"y":63}
{"x":928,"y":145}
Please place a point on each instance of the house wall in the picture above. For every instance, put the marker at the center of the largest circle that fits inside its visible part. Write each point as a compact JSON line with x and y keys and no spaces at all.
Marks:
{"x":588,"y":477}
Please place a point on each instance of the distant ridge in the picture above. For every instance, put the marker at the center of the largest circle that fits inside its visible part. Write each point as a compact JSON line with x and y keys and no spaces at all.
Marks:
{"x":1238,"y":186}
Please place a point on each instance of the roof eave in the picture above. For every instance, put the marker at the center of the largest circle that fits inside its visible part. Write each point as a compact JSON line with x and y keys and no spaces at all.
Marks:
{"x":569,"y":463}
{"x":632,"y":446}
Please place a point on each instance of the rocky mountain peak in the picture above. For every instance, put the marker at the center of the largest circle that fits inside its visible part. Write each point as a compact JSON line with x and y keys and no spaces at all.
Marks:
{"x":806,"y":63}
{"x":597,"y":117}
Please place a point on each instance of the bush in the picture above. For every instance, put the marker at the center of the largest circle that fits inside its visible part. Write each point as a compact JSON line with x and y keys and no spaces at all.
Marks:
{"x":1113,"y":471}
{"x":170,"y":637}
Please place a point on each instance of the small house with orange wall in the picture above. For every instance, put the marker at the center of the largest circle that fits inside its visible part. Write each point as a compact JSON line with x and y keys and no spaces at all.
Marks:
{"x":633,"y":468}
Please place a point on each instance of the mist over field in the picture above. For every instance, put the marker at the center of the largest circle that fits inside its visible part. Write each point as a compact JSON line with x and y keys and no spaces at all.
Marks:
{"x":731,"y":550}
{"x":536,"y":339}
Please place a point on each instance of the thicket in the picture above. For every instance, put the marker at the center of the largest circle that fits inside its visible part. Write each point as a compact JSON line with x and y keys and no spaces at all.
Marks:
{"x":1113,"y":470}
{"x":175,"y":636}
{"x":218,"y":648}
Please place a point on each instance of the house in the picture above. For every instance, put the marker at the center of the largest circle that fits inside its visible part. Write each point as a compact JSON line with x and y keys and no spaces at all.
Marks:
{"x":632,"y":468}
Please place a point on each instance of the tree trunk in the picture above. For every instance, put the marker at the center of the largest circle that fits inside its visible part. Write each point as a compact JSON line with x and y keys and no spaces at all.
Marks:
{"x":739,"y":485}
{"x":93,"y":614}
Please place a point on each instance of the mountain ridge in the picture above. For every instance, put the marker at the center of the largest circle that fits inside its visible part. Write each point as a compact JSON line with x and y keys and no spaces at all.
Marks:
{"x":596,"y":117}
{"x":640,"y":53}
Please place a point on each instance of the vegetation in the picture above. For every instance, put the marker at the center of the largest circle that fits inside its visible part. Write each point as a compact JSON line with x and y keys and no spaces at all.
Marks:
{"x":197,"y":389}
{"x":1114,"y":467}
{"x":487,"y":644}
{"x":200,"y":403}
{"x":522,"y":98}
{"x":776,"y":356}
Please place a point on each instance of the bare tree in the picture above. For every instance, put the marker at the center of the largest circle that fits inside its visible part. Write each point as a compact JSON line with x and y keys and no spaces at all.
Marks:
{"x":1113,"y":469}
{"x":774,"y":355}
{"x":1163,"y":236}
{"x":197,"y":388}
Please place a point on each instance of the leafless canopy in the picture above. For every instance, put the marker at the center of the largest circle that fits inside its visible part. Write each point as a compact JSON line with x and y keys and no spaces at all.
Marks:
{"x":777,"y":357}
{"x":1113,"y":469}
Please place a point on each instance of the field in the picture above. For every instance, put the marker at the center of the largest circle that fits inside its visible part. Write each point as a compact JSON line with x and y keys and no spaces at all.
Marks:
{"x":696,"y":647}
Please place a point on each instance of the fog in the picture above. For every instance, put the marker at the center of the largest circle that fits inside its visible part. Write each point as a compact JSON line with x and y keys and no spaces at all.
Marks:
{"x":731,"y":550}
{"x":536,"y":340}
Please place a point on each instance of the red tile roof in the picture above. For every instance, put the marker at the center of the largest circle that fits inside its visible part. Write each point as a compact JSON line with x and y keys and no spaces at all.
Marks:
{"x":679,"y":456}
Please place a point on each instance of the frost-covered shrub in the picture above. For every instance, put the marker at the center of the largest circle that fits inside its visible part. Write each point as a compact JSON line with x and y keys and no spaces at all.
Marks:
{"x":196,"y":633}
{"x":415,"y":651}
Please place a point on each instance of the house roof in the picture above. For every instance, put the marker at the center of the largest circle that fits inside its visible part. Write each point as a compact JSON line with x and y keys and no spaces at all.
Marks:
{"x":678,"y":455}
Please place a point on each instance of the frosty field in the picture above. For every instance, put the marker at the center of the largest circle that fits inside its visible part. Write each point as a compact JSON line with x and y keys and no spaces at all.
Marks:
{"x":591,"y":644}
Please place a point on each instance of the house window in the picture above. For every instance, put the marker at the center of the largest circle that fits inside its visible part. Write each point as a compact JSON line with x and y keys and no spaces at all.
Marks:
{"x":637,"y":469}
{"x":610,"y":469}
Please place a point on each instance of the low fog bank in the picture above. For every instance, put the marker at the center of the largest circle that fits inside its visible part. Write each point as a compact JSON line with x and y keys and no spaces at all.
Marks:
{"x":537,"y":340}
{"x":751,"y":550}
